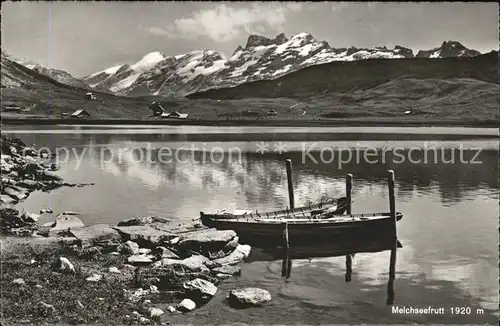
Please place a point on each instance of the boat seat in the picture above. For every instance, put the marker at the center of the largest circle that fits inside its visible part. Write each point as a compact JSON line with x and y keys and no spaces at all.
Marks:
{"x":230,"y":210}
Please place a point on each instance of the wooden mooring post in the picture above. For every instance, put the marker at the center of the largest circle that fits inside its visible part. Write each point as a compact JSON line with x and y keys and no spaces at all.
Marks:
{"x":348,"y":190}
{"x":287,"y":263}
{"x":348,"y":268}
{"x":290,"y":182}
{"x":392,"y":261}
{"x":392,"y":203}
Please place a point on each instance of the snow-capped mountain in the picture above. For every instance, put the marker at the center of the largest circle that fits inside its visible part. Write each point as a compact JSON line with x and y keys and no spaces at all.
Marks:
{"x":449,"y":49}
{"x":262,"y":58}
{"x":57,"y":74}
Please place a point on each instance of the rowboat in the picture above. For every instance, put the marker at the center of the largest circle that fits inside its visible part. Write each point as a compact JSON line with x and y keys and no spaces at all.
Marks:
{"x":336,"y":206}
{"x":315,"y":228}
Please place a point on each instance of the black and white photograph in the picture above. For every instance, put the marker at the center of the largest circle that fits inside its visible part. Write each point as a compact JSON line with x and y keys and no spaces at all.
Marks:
{"x":249,"y":163}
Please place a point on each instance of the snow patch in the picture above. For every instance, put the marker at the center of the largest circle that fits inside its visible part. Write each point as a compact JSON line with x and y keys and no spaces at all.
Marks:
{"x":124,"y":83}
{"x":112,"y":70}
{"x":435,"y":54}
{"x":216,"y":66}
{"x":282,"y":70}
{"x":300,"y":35}
{"x":241,"y":69}
{"x":148,"y":61}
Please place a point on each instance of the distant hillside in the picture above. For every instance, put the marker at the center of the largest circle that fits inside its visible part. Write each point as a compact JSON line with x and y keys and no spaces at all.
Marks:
{"x":56,"y":74}
{"x":340,"y":77}
{"x":44,"y":95}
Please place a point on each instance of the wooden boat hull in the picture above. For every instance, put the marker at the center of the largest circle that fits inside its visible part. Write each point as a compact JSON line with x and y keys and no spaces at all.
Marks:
{"x":355,"y":225}
{"x":334,"y":207}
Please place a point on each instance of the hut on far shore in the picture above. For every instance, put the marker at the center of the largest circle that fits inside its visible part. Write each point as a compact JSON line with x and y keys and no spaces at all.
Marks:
{"x":80,"y":114}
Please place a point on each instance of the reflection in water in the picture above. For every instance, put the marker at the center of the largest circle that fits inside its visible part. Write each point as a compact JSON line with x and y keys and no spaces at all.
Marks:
{"x":337,"y":247}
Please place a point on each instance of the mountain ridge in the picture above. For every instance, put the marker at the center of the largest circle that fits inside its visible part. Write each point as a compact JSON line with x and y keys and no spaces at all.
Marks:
{"x":261,"y":58}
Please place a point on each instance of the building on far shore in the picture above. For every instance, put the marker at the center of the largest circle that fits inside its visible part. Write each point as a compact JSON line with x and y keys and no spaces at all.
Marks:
{"x":174,"y":115}
{"x":272,"y":112}
{"x":90,"y":96}
{"x":159,"y":111}
{"x":80,"y":114}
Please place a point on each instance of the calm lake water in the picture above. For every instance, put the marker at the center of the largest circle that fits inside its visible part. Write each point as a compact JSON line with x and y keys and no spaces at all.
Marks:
{"x":447,"y":191}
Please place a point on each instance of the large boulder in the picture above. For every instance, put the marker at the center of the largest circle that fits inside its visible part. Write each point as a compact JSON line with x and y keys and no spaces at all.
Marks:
{"x":170,"y":277}
{"x":64,"y":265}
{"x":226,"y":271}
{"x":130,"y":248}
{"x":200,"y":290}
{"x":98,"y":235}
{"x":143,"y":221}
{"x":194,"y":263}
{"x":30,"y":184}
{"x":64,"y":222}
{"x":138,"y":260}
{"x":144,"y":235}
{"x":207,"y":242}
{"x":15,"y":192}
{"x":163,"y":252}
{"x":49,"y":176}
{"x":11,"y":218}
{"x":241,"y":252}
{"x":248,"y":297}
{"x":6,"y":199}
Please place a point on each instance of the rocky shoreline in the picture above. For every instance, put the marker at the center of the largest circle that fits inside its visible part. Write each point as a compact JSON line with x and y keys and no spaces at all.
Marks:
{"x":130,"y":273}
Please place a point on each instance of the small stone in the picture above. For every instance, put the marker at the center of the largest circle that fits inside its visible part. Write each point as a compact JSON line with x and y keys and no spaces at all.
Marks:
{"x":114,"y":270}
{"x":175,"y":241}
{"x":153,"y":289}
{"x":140,"y":259}
{"x":33,"y":262}
{"x":30,"y":217}
{"x":46,"y":309}
{"x":186,"y":305}
{"x":248,"y":297}
{"x":144,"y":251}
{"x":146,"y":302}
{"x":19,"y":281}
{"x":144,"y":321}
{"x":155,"y":312}
{"x":227,"y":270}
{"x":128,"y":266}
{"x":94,"y":278}
{"x":114,"y":253}
{"x":171,"y":309}
{"x":138,"y":293}
{"x":4,"y":199}
{"x":130,"y":248}
{"x":200,"y":289}
{"x":66,"y":265}
{"x":166,"y":253}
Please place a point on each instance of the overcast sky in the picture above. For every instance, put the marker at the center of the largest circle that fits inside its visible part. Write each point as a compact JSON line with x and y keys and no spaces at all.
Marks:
{"x":85,"y":37}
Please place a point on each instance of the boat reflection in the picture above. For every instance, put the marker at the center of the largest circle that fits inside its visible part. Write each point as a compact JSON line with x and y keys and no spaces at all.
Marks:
{"x":336,"y":248}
